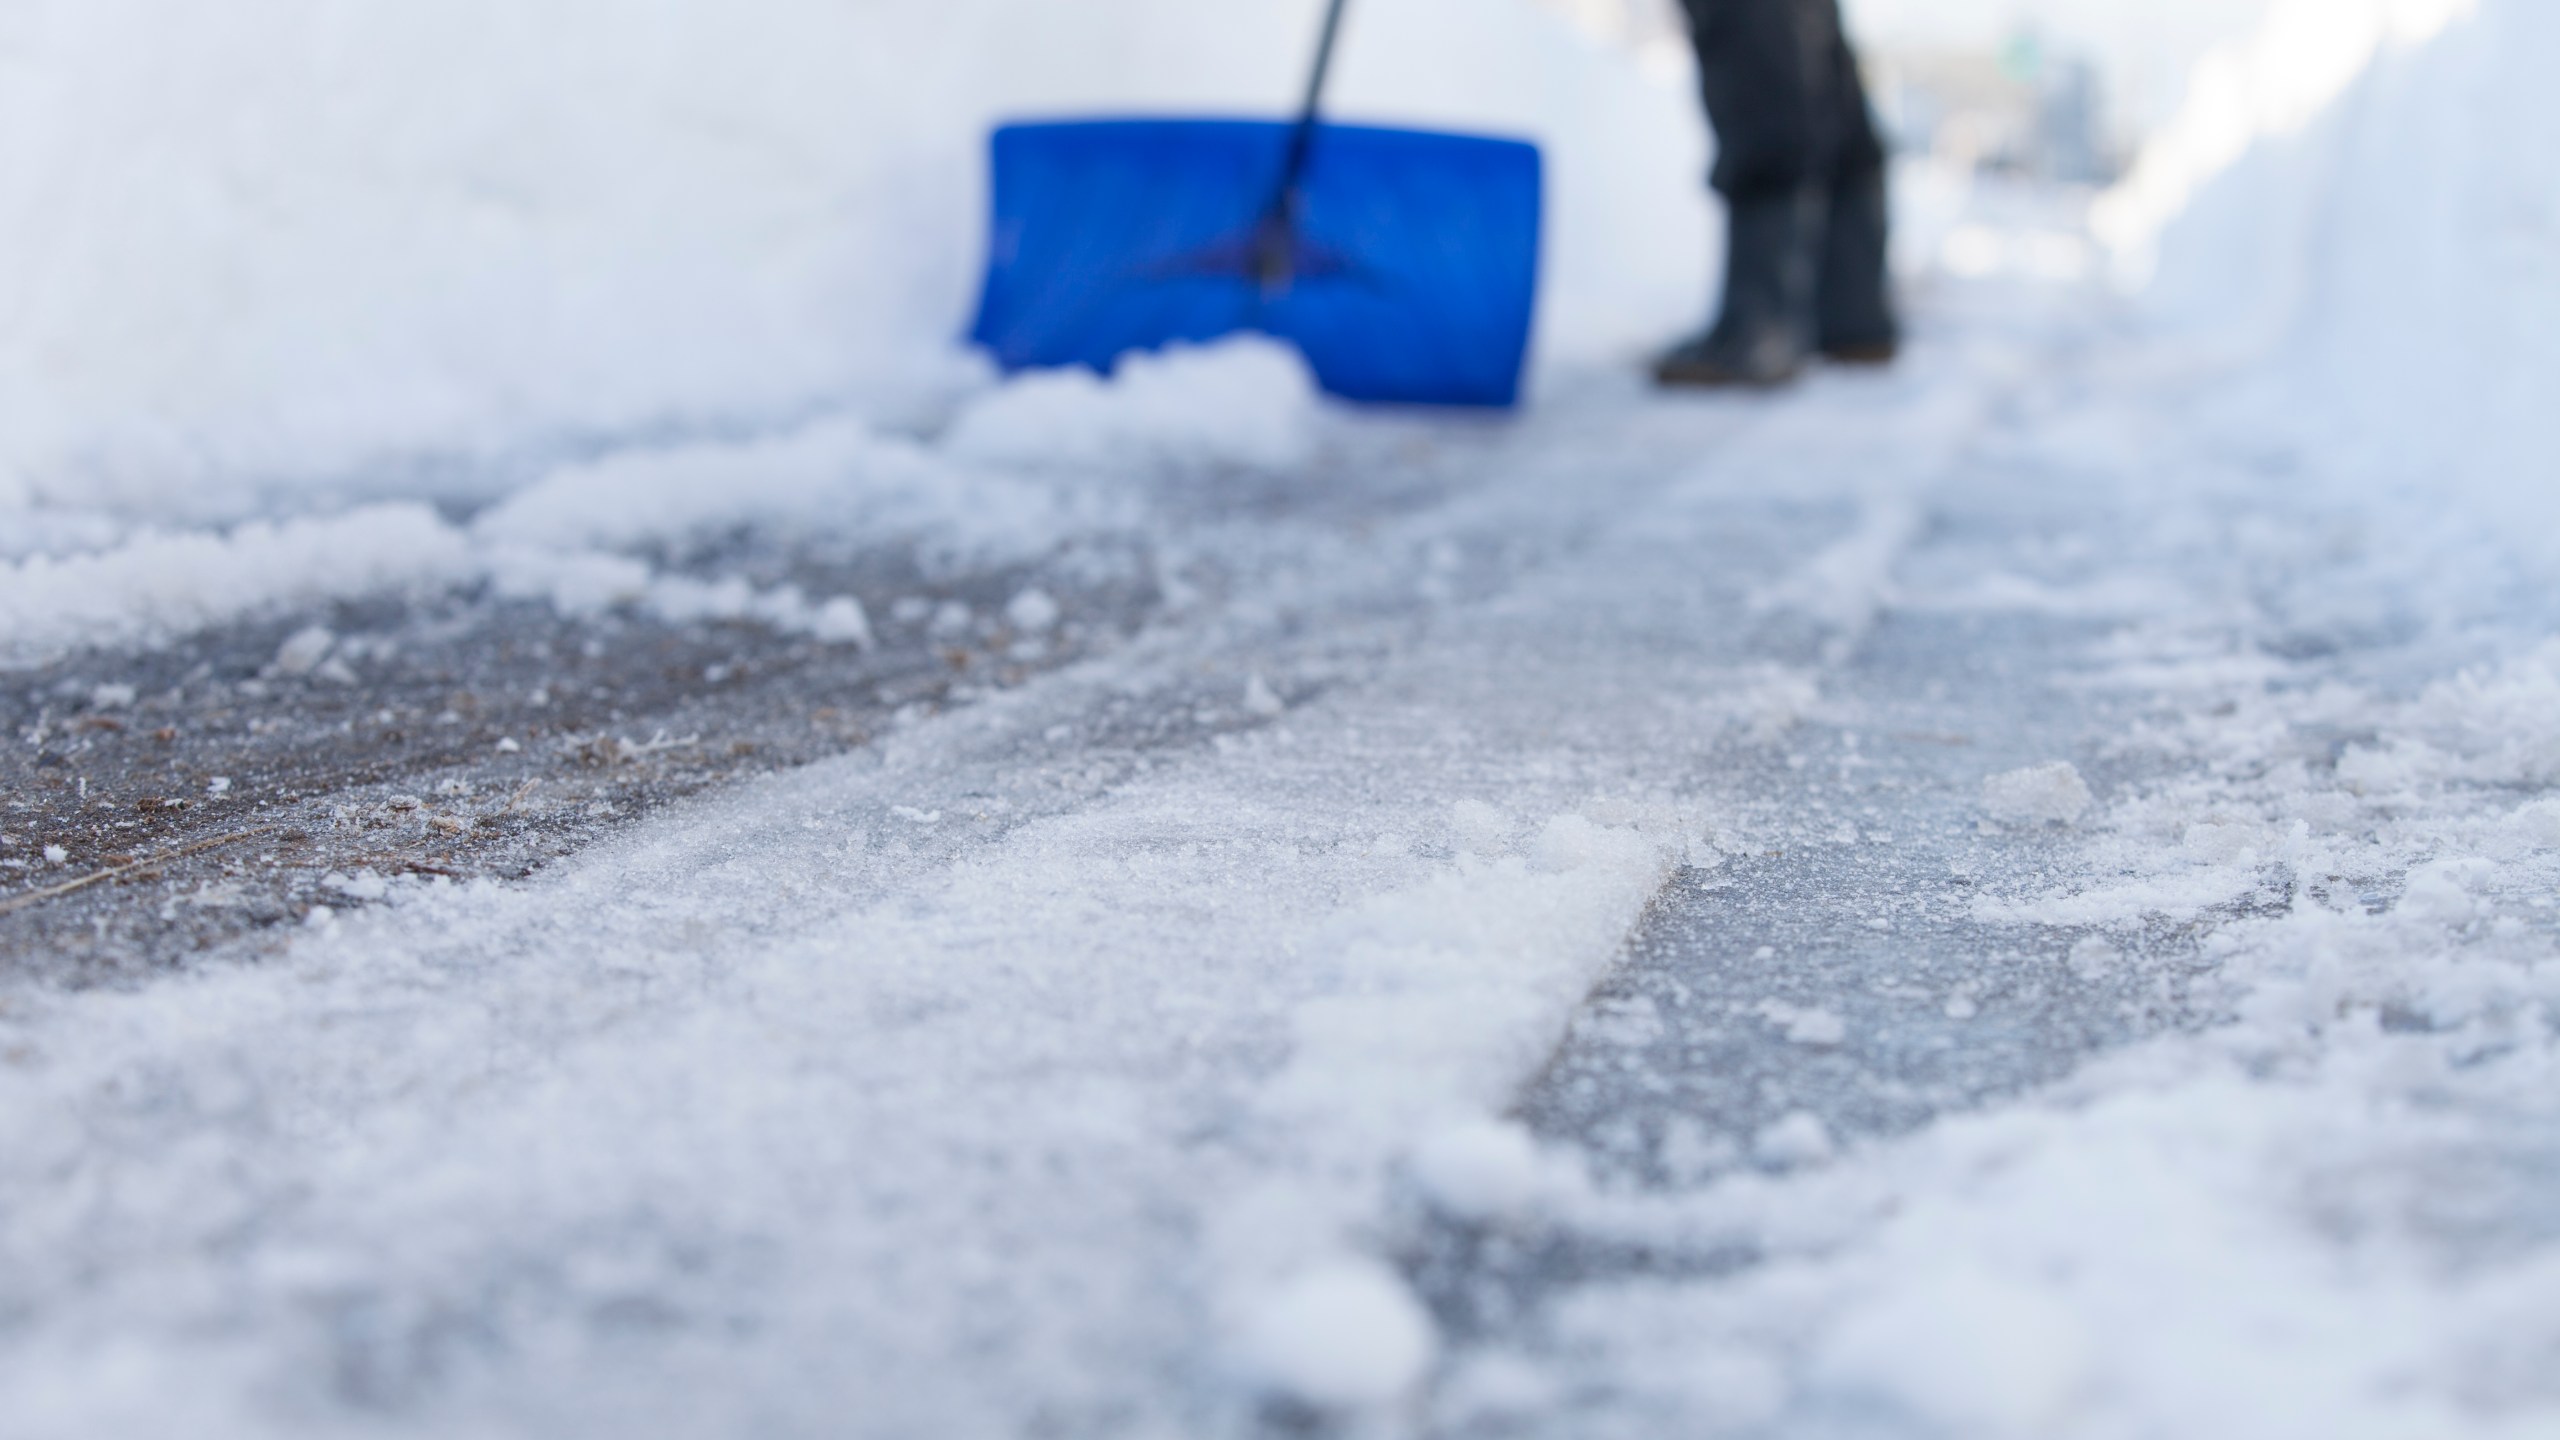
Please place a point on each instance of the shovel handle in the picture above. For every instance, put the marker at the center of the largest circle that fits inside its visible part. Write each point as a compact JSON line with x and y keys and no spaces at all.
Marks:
{"x":1323,"y":66}
{"x":1273,"y":258}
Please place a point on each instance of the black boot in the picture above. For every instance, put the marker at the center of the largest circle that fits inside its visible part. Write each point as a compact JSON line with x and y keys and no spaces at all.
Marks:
{"x":1765,"y":331}
{"x":1855,"y":308}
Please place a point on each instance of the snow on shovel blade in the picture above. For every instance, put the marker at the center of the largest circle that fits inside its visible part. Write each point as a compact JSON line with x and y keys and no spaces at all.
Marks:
{"x":1411,"y":269}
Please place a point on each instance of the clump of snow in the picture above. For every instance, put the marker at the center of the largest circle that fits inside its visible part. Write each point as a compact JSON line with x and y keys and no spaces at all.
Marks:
{"x":1260,"y":699}
{"x":159,"y":585}
{"x":835,"y":475}
{"x":2094,"y":957}
{"x":2048,"y":794}
{"x":303,"y":650}
{"x":2443,"y":892}
{"x":1805,"y":1024}
{"x":1481,"y":1170}
{"x":589,"y":582}
{"x":363,"y":885}
{"x":1346,"y":1335}
{"x":1033,"y":612}
{"x":2535,"y":825}
{"x":840,"y":620}
{"x":1797,"y":1138}
{"x":1247,"y":401}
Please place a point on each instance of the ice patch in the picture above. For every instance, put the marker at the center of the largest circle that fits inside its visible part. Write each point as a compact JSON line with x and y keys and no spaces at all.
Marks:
{"x":1847,"y":584}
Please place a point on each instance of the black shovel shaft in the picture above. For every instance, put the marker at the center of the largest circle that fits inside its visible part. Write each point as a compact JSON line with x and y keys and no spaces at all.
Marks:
{"x":1303,"y":139}
{"x":1273,"y":258}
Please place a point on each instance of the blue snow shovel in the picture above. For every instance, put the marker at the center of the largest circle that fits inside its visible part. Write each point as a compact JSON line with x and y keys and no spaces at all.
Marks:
{"x":1402,"y":263}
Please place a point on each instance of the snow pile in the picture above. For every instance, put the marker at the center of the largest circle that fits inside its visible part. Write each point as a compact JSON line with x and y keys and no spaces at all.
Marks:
{"x":2381,"y":265}
{"x":2264,"y":88}
{"x":295,"y":245}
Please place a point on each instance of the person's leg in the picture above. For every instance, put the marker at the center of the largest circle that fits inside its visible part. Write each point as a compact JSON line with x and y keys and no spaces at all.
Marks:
{"x":1765,"y":73}
{"x":1856,"y":321}
{"x":1763,"y":87}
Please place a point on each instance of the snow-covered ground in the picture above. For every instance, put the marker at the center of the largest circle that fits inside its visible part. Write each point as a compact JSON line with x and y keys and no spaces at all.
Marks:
{"x":2009,"y":897}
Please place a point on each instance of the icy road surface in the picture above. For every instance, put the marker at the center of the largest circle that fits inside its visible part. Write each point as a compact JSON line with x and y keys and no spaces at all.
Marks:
{"x":1944,"y":903}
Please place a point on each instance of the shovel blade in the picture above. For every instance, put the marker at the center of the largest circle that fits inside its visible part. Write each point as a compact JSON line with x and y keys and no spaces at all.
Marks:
{"x":1411,"y":268}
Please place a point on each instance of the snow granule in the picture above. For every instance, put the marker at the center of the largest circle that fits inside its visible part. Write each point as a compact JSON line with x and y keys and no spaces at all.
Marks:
{"x":1032,"y":612}
{"x":1346,"y":1335}
{"x":841,"y":621}
{"x":303,"y":650}
{"x":2037,"y":795}
{"x":1805,"y":1025}
{"x":1799,"y":1138}
{"x":2094,"y":957}
{"x":1260,"y":699}
{"x":55,"y":855}
{"x":363,"y":885}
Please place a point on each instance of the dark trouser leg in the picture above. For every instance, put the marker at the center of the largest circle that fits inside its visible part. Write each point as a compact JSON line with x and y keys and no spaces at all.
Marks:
{"x":1855,"y":307}
{"x":1792,"y":131}
{"x":1769,"y":73}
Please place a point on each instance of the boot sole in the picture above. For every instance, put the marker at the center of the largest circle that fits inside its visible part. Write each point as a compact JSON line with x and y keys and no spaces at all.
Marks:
{"x":1716,"y":377}
{"x":1877,"y":352}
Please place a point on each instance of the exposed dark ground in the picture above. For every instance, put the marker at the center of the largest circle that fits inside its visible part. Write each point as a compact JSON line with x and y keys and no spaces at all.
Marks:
{"x":162,"y":803}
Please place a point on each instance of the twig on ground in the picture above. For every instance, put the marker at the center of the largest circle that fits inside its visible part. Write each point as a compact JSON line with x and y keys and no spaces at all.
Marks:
{"x":52,"y":892}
